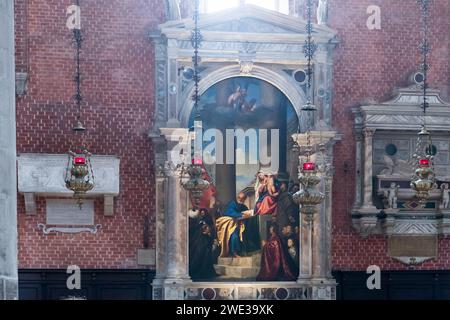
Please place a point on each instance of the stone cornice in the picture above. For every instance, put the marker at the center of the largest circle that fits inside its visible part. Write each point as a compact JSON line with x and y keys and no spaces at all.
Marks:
{"x":404,"y":113}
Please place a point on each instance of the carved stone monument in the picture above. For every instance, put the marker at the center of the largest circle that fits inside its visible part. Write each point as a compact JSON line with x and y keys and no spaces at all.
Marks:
{"x":44,"y":174}
{"x":385,"y":203}
{"x":67,"y":212}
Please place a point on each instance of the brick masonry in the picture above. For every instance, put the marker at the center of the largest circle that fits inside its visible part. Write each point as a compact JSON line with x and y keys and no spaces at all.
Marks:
{"x":368,"y":65}
{"x":119,"y":101}
{"x":118,"y":86}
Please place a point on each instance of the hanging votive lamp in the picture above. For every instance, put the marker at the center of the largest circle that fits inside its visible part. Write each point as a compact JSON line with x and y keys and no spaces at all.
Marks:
{"x":309,"y":197}
{"x":79,"y":173}
{"x":423,"y":181}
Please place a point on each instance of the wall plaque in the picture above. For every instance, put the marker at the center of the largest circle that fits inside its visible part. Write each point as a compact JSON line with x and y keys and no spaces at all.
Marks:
{"x":412,"y":246}
{"x":146,"y":257}
{"x":62,"y":212}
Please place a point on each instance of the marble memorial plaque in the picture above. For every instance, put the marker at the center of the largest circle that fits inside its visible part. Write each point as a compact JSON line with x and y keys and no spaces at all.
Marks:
{"x":412,"y":246}
{"x":146,"y":257}
{"x":61,"y":212}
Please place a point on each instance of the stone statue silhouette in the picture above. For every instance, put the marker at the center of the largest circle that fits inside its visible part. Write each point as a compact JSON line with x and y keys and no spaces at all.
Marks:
{"x":395,"y":167}
{"x":445,"y":196}
{"x":322,"y":12}
{"x":173,"y":9}
{"x":392,"y":195}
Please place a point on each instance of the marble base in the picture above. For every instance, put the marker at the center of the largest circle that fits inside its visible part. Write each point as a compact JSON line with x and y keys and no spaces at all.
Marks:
{"x":316,"y":289}
{"x":391,"y":211}
{"x":8,"y":288}
{"x":368,"y":210}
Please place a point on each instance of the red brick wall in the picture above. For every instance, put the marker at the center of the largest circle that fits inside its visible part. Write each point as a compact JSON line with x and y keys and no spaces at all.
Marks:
{"x":368,"y":65}
{"x":118,"y":88}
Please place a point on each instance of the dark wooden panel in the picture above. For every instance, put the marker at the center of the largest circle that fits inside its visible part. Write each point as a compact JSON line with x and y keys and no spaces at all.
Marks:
{"x":395,"y":285}
{"x":35,"y":284}
{"x":411,"y":292}
{"x":136,"y":285}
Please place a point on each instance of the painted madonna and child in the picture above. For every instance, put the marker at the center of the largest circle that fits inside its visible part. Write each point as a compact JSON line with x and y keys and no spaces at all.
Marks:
{"x":257,"y":231}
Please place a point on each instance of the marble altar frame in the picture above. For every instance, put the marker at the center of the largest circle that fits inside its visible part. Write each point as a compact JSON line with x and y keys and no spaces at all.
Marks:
{"x":231,"y":48}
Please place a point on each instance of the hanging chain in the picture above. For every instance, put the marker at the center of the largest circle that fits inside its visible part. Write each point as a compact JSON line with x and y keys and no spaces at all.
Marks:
{"x":308,"y":149}
{"x":424,"y":144}
{"x":309,"y":48}
{"x":78,"y":40}
{"x":425,"y":50}
{"x":196,"y":39}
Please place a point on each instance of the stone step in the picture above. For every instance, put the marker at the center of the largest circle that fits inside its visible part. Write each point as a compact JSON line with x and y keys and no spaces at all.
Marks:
{"x":240,"y":262}
{"x":237,"y":272}
{"x":253,"y":261}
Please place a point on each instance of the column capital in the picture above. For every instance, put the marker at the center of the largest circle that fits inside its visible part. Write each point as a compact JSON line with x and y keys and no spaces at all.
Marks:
{"x":328,"y":183}
{"x":359,"y":135}
{"x":368,"y":132}
{"x":171,"y":170}
{"x":160,"y":171}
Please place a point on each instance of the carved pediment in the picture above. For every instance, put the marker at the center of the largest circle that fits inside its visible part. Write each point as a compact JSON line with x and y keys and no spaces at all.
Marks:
{"x":246,"y":19}
{"x":414,"y":96}
{"x":404,"y":112}
{"x":248,"y":25}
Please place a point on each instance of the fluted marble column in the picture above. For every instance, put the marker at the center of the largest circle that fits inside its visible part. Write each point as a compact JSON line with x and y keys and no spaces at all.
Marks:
{"x":172,"y":264}
{"x":176,"y":227}
{"x":322,"y":229}
{"x":8,"y":182}
{"x":306,"y":252}
{"x":316,"y":235}
{"x":160,"y":225}
{"x":358,"y":170}
{"x":368,"y":155}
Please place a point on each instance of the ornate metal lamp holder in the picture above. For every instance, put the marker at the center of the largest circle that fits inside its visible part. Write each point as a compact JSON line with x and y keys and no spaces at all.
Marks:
{"x":79,"y":173}
{"x":309,"y":197}
{"x":196,"y":184}
{"x":423,"y":180}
